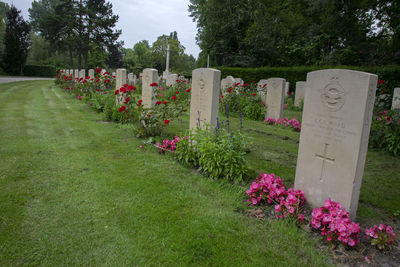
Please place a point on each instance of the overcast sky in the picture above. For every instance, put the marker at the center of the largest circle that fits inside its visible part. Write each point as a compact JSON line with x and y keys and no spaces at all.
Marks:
{"x":146,"y":20}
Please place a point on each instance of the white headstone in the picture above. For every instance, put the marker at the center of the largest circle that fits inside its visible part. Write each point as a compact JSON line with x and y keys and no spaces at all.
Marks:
{"x":239,"y":81}
{"x":91,"y":73}
{"x":150,"y":76}
{"x":134,"y":79}
{"x":204,"y":97}
{"x":76,"y":74}
{"x":130,"y":78}
{"x":114,"y":74}
{"x":171,"y":79}
{"x":299,"y":94}
{"x":82,"y":74}
{"x":226,"y":83}
{"x":262,"y":88}
{"x":71,"y":72}
{"x":275,"y":97}
{"x":396,"y":99}
{"x":287,"y":85}
{"x":120,"y":80}
{"x":334,"y":136}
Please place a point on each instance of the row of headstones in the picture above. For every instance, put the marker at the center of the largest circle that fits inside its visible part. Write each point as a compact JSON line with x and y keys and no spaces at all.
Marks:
{"x":396,"y":99}
{"x":336,"y":122}
{"x":337,"y":115}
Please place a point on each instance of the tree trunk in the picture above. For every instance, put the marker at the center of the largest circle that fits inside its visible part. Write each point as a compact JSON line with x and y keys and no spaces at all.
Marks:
{"x":71,"y":60}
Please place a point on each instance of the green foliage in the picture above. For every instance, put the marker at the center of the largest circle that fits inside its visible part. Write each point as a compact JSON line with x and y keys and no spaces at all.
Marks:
{"x":39,"y":71}
{"x":385,"y":131}
{"x":391,"y":74}
{"x":220,"y":154}
{"x":16,"y":41}
{"x":244,"y":101}
{"x":243,"y":33}
{"x":75,"y":26}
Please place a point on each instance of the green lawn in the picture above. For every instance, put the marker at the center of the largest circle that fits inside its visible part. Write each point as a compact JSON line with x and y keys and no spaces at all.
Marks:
{"x":275,"y":151}
{"x":77,"y":191}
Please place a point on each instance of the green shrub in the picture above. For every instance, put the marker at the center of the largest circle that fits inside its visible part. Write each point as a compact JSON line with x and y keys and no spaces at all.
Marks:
{"x":39,"y":71}
{"x":218,"y":153}
{"x":295,"y":74}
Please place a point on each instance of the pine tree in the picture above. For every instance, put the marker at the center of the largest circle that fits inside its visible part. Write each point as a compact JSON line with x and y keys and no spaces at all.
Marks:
{"x":16,"y":42}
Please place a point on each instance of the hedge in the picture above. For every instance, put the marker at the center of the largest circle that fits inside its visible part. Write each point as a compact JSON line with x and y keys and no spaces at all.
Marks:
{"x":40,"y":71}
{"x":391,"y":74}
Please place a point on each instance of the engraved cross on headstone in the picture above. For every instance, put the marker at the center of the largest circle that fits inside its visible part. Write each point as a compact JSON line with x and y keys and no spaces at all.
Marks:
{"x":324,"y":159}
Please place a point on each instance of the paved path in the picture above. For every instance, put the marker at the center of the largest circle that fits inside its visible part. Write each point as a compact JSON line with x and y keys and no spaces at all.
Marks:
{"x":17,"y":79}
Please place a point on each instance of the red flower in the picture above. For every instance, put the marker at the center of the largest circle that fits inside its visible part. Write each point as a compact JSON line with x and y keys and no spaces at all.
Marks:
{"x":127,"y":99}
{"x":98,"y":80}
{"x":98,"y":70}
{"x":221,"y":96}
{"x":154,"y":84}
{"x":116,"y":92}
{"x":289,"y":93}
{"x":121,"y":109}
{"x":165,"y":102}
{"x":139,"y":103}
{"x":90,"y":104}
{"x":98,"y":90}
{"x":166,"y":121}
{"x":125,"y":85}
{"x":237,"y":84}
{"x":174,"y":97}
{"x":188,"y":90}
{"x":107,"y":81}
{"x":177,"y":92}
{"x":253,"y":81}
{"x":131,"y":88}
{"x":87,"y":78}
{"x":229,"y":90}
{"x":158,"y":103}
{"x":264,"y":85}
{"x":254,"y":94}
{"x":245,"y":84}
{"x":381,"y":81}
{"x":148,"y":115}
{"x":106,"y":73}
{"x":113,"y":76}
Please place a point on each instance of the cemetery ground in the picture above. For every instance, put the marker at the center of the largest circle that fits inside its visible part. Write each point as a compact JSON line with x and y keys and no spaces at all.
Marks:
{"x":76,"y":190}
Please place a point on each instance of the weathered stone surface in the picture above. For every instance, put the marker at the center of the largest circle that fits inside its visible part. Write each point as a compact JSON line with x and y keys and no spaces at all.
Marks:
{"x":262,"y":89}
{"x":275,"y":97}
{"x":71,"y":72}
{"x":120,"y":80}
{"x":396,"y":99}
{"x":82,"y":74}
{"x":130,"y":79}
{"x":226,"y":83}
{"x":91,"y":73}
{"x":204,"y":97}
{"x":239,"y":81}
{"x":150,"y":76}
{"x":76,"y":74}
{"x":334,"y":137}
{"x":299,"y":94}
{"x":287,"y":86}
{"x":171,"y":79}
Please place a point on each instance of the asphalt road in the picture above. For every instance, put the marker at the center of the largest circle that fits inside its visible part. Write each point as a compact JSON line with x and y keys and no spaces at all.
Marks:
{"x":17,"y":79}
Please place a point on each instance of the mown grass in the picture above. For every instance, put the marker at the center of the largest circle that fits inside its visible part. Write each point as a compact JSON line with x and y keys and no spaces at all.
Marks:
{"x":275,"y":149}
{"x":78,"y":191}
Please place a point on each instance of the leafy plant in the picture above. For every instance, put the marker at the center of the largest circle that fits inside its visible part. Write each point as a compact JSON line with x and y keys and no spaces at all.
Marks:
{"x":381,"y":236}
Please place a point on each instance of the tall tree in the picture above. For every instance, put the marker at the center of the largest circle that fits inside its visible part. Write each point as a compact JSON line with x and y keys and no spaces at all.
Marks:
{"x":76,"y":25}
{"x":16,"y":41}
